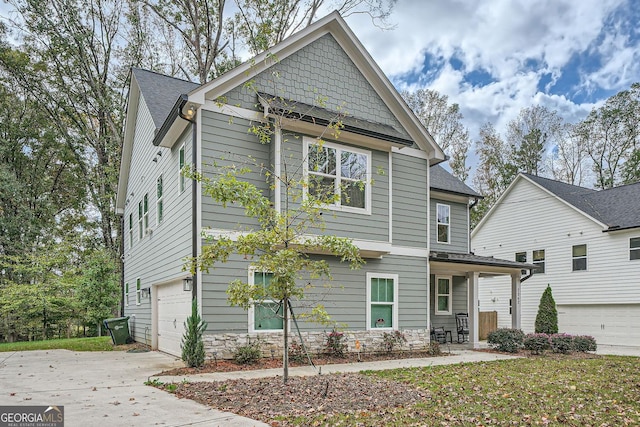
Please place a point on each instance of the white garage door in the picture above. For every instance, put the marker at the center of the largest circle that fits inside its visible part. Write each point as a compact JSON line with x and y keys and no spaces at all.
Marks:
{"x":174,"y":306}
{"x":612,"y":324}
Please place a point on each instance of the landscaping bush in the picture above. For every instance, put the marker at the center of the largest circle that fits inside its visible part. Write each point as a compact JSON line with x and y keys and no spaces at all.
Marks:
{"x":247,"y":354}
{"x":507,"y":340}
{"x":192,"y":343}
{"x":434,"y":348}
{"x":296,"y":352}
{"x":561,"y":343}
{"x":391,"y":340}
{"x":335,"y":345}
{"x":537,"y":343}
{"x":584,"y":343}
{"x":547,"y":317}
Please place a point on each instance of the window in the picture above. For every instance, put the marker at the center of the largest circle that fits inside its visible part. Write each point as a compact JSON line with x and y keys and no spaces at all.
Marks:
{"x":521,"y":257}
{"x":268,"y":315}
{"x":130,"y":230}
{"x":339,"y":174}
{"x":443,"y":295}
{"x":140,"y":229}
{"x":634,"y":248}
{"x":181,"y":169}
{"x":146,"y":212}
{"x":538,"y":260}
{"x":126,"y":294}
{"x":443,"y":220}
{"x":382,"y":301}
{"x":159,"y":205}
{"x":138,"y":291}
{"x":579,"y":254}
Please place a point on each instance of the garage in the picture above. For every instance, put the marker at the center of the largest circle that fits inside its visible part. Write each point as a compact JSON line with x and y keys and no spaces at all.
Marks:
{"x":611,"y":324}
{"x":173,"y":306}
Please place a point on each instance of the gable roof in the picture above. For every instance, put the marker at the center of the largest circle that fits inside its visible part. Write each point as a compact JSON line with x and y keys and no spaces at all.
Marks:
{"x":618,"y":208}
{"x":160,"y":92}
{"x":442,"y":180}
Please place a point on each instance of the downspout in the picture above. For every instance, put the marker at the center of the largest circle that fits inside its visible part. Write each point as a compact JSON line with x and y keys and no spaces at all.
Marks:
{"x":194,"y":191}
{"x":122,"y":297}
{"x":476,"y":200}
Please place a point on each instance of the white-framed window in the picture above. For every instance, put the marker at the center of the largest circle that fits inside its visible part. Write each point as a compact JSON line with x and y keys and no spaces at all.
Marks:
{"x":140,"y":223}
{"x":579,"y":257}
{"x":159,"y":199}
{"x":443,"y":221}
{"x":126,"y":293}
{"x":145,"y":212}
{"x":382,"y":301}
{"x":138,"y":291}
{"x":339,"y":172}
{"x":634,"y":248}
{"x":539,"y":260}
{"x":521,"y":257}
{"x":130,"y":230}
{"x":181,"y":168}
{"x":444,"y":295}
{"x":268,"y":315}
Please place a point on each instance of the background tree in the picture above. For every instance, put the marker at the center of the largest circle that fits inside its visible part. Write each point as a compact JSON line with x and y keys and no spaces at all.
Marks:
{"x":568,"y":161}
{"x":547,"y":317}
{"x":444,"y":123}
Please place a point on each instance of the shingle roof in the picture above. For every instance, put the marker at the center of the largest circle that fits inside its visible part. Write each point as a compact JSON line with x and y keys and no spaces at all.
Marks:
{"x":617,"y":207}
{"x":444,"y":181}
{"x":160,"y":92}
{"x":462,"y":258}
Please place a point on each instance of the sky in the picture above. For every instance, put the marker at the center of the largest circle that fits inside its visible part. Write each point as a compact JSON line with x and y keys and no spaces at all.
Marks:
{"x":495,"y":57}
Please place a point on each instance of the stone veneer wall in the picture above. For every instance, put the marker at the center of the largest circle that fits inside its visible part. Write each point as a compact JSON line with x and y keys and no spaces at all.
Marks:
{"x":222,"y":346}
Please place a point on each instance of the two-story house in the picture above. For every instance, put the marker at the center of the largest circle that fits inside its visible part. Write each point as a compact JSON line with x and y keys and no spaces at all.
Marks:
{"x":410,"y":220}
{"x":586,"y":244}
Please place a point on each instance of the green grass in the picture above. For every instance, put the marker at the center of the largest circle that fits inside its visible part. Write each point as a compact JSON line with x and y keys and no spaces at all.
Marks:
{"x":75,"y":344}
{"x":532,"y":391}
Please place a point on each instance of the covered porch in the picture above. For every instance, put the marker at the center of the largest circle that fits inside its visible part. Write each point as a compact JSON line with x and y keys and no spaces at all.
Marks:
{"x":454,"y":281}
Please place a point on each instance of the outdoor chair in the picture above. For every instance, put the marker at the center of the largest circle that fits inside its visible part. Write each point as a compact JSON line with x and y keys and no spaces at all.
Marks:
{"x":462,"y":326}
{"x":440,"y":335}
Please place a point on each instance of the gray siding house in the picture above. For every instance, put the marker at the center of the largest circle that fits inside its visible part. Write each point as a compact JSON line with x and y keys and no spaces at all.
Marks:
{"x":411,"y":221}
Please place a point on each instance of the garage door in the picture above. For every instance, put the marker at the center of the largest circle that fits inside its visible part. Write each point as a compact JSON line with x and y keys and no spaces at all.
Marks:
{"x":174,"y":306}
{"x":608,"y":324}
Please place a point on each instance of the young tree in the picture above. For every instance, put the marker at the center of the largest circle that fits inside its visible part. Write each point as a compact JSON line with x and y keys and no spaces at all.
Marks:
{"x":547,"y":317}
{"x":192,"y":344}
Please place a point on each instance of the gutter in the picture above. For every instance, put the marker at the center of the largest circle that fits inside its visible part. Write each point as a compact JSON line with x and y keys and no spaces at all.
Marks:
{"x":618,"y":228}
{"x":176,"y":111}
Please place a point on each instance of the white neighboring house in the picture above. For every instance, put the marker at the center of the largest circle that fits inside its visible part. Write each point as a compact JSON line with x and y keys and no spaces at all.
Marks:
{"x":587,"y":243}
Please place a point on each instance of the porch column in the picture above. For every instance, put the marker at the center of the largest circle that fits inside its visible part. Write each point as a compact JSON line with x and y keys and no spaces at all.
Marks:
{"x":515,"y":301}
{"x":472,"y":308}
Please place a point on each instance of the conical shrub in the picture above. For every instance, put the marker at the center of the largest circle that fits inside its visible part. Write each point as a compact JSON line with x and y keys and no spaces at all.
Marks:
{"x":547,"y":317}
{"x":192,"y":344}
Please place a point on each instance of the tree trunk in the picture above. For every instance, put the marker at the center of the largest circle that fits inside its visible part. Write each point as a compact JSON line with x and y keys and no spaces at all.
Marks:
{"x":285,"y":328}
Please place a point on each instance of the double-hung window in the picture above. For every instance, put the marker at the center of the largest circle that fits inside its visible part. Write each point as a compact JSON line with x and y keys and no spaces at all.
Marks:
{"x":181,"y":169}
{"x":443,"y":220}
{"x":444,"y":295}
{"x":140,"y":223}
{"x":130,"y":230}
{"x":634,"y":248}
{"x":267,"y":315}
{"x":126,"y":293}
{"x":539,"y":260}
{"x":579,"y":257}
{"x":138,"y":292}
{"x":382,"y":301}
{"x":521,"y":257}
{"x":145,"y":212}
{"x":338,"y":175}
{"x":159,"y":201}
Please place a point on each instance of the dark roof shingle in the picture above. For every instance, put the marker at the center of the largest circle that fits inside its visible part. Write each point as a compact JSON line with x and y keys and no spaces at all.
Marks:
{"x":445,"y":181}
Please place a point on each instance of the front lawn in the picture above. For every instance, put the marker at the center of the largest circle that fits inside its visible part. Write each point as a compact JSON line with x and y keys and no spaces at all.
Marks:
{"x":75,"y":344}
{"x":595,"y":391}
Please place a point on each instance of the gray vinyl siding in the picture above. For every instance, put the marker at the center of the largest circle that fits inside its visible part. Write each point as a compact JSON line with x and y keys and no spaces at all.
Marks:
{"x":319,"y":74}
{"x":158,"y":256}
{"x":459,"y":304}
{"x":346,"y":301}
{"x":348,"y":224}
{"x":458,"y":228}
{"x":409,"y":201}
{"x":226,"y":142}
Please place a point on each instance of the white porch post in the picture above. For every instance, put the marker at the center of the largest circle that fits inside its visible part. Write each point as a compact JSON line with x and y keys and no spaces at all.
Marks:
{"x":472,"y":308}
{"x":515,"y":301}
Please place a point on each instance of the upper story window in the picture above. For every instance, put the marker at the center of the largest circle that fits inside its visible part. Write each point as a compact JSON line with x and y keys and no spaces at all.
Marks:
{"x":579,"y":257}
{"x":159,"y":201}
{"x":181,"y":169}
{"x":521,"y":257}
{"x":140,"y":223}
{"x":268,"y":315}
{"x":338,"y":173}
{"x":634,"y":248}
{"x":443,"y":221}
{"x":145,"y":212}
{"x":130,"y":230}
{"x":539,"y":260}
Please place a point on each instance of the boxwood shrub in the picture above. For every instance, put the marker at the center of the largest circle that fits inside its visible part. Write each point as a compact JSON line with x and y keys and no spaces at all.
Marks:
{"x":507,"y":340}
{"x":561,"y":343}
{"x":537,"y":343}
{"x":584,"y":343}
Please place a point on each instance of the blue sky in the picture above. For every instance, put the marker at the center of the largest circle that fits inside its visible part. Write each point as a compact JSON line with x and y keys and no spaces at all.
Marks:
{"x":495,"y":57}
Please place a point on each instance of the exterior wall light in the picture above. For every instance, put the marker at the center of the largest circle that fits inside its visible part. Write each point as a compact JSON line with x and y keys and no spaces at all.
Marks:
{"x":186,"y":284}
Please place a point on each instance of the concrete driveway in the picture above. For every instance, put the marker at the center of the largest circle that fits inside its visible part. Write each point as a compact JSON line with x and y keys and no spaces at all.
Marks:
{"x":103,"y":389}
